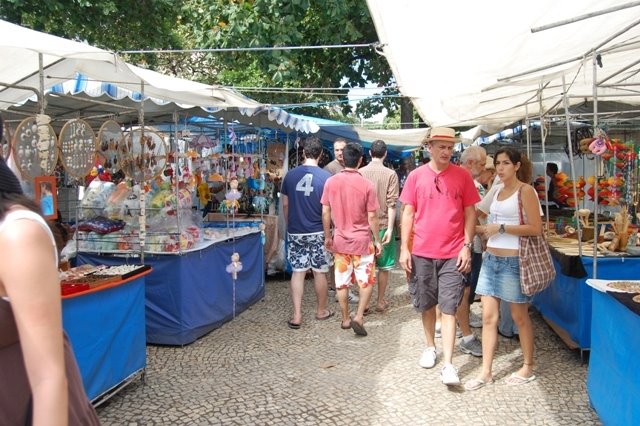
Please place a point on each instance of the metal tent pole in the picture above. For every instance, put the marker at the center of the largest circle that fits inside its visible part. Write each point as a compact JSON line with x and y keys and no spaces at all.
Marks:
{"x":177,"y":185}
{"x":598,"y":167}
{"x":143,"y":212}
{"x":571,"y":165}
{"x":543,"y":138}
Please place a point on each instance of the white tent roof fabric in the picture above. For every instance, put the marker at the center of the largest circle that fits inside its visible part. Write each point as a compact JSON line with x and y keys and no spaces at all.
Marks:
{"x":454,"y":58}
{"x":63,"y":60}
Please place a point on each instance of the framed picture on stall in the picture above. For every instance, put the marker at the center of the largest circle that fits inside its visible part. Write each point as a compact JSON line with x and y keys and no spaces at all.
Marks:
{"x":47,"y":196}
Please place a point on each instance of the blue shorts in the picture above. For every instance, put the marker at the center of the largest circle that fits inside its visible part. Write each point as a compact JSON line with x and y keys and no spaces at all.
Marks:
{"x":500,"y":277}
{"x":306,"y":251}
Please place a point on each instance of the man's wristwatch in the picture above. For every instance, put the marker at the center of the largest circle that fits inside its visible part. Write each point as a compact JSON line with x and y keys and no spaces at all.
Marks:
{"x":467,"y":245}
{"x":502,"y":230}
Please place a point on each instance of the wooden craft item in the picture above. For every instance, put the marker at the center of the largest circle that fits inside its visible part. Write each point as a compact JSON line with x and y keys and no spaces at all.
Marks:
{"x":275,"y":159}
{"x":77,"y":147}
{"x":142,"y":158}
{"x":34,"y":149}
{"x":110,"y":137}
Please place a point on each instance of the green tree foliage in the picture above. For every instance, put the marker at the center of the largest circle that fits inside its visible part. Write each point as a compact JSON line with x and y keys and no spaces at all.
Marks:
{"x":263,"y":23}
{"x":121,"y":25}
{"x":110,"y":24}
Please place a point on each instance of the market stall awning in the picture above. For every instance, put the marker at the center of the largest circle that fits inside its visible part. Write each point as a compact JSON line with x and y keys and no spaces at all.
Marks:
{"x":79,"y":70}
{"x":399,"y":140}
{"x":486,"y":66}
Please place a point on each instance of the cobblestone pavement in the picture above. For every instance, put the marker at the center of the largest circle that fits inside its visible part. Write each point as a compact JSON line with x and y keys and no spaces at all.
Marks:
{"x":254,"y":370}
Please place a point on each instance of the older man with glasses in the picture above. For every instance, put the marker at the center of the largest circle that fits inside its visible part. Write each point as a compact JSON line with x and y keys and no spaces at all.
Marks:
{"x":439,"y":200}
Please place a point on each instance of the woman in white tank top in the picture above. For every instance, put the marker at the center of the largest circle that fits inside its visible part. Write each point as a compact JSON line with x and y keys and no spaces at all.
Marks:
{"x":499,"y":275}
{"x":45,"y":385}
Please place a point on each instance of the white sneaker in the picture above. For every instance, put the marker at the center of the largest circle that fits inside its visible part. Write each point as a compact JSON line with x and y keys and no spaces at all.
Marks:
{"x":449,"y":375}
{"x":353,"y":299}
{"x":428,"y":358}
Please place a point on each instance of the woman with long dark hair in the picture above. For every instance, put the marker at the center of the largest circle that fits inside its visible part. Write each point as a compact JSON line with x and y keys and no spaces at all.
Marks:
{"x":500,"y":275}
{"x":41,"y":384}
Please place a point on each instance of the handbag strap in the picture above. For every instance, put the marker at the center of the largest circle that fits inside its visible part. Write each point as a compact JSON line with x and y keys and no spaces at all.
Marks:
{"x":520,"y":205}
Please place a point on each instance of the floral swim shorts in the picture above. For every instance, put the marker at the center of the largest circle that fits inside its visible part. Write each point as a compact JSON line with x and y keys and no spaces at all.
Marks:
{"x":307,"y":251}
{"x":353,"y":268}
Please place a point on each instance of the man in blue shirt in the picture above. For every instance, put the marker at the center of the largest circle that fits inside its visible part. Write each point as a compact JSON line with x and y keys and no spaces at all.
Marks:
{"x":301,"y":192}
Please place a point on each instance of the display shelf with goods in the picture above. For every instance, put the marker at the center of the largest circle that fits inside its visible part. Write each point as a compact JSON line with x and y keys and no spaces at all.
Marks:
{"x":108,"y":221}
{"x":594,"y":230}
{"x":159,"y":221}
{"x":189,"y":295}
{"x":608,"y":187}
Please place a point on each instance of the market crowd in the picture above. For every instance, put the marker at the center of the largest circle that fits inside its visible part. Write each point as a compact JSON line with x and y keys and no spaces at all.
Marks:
{"x":458,"y":224}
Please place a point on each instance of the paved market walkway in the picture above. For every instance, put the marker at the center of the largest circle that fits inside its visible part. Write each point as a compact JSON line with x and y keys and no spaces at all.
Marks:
{"x":256,"y":371}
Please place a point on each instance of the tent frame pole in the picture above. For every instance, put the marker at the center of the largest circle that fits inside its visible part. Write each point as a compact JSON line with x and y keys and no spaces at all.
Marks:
{"x":143,"y":211}
{"x":598,"y":167}
{"x":571,"y":165}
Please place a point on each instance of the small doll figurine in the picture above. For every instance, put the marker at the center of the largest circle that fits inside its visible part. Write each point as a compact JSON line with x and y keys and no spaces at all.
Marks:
{"x":600,"y":143}
{"x":232,"y":197}
{"x":235,"y":266}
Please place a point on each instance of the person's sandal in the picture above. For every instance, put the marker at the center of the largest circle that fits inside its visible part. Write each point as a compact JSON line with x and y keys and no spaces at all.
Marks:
{"x":516,"y":380}
{"x":475,"y":384}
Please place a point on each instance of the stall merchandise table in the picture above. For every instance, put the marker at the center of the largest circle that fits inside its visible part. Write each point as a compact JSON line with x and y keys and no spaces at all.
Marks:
{"x":187,"y":295}
{"x":106,"y":328}
{"x":271,"y":229}
{"x":566,"y":303}
{"x":613,"y":381}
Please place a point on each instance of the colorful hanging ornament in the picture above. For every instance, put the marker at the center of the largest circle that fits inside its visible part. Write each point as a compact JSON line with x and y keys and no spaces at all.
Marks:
{"x":263,"y":233}
{"x":232,"y":197}
{"x":600,"y":143}
{"x":235,"y":266}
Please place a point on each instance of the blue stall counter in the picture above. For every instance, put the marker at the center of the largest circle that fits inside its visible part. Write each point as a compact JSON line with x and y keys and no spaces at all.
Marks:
{"x":190,"y":294}
{"x":106,"y":327}
{"x":566,"y":303}
{"x":613,"y":381}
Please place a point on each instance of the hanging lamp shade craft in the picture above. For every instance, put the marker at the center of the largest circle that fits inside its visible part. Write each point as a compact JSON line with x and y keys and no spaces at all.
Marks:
{"x":78,"y":147}
{"x":142,"y":158}
{"x":201,"y":141}
{"x":110,"y":136}
{"x":34,"y":147}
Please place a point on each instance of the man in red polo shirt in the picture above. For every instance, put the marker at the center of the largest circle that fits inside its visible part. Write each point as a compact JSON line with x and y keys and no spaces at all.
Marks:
{"x":350,"y":201}
{"x":439,"y":208}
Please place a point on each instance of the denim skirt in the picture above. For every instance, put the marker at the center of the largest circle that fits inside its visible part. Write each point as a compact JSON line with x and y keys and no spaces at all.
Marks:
{"x":500,"y":277}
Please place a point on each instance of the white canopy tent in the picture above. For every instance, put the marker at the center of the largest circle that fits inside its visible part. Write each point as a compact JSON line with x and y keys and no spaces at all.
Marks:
{"x":490,"y":64}
{"x":479,"y":62}
{"x":27,"y":51}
